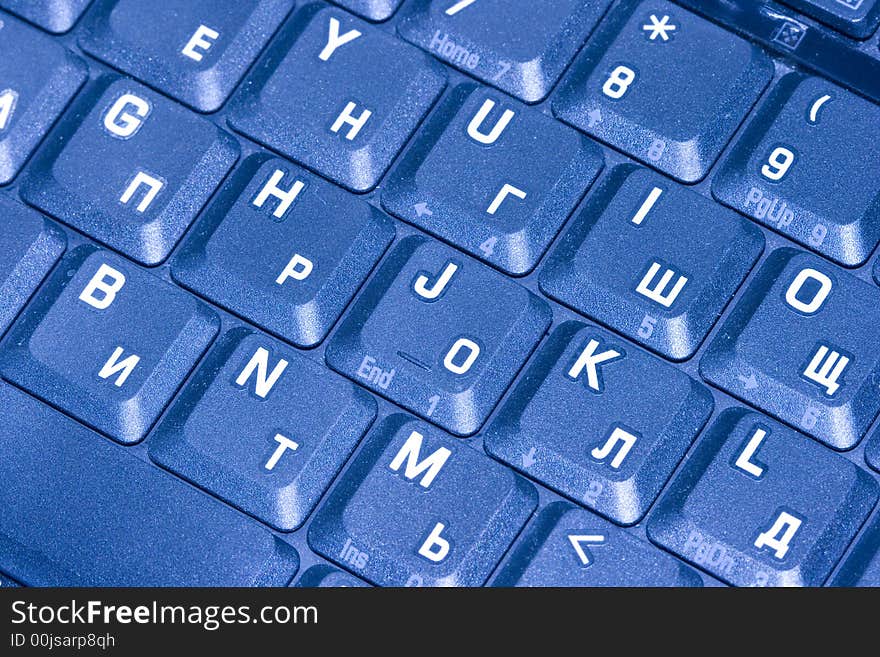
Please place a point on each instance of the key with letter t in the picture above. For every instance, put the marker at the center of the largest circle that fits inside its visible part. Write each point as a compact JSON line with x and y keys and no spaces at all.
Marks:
{"x":801,"y":345}
{"x":758,"y":504}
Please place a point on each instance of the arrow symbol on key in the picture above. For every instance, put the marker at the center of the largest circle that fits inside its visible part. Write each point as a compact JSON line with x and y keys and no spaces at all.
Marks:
{"x":422,"y":210}
{"x":528,"y":459}
{"x":750,"y":382}
{"x":577,"y":542}
{"x":594,"y":117}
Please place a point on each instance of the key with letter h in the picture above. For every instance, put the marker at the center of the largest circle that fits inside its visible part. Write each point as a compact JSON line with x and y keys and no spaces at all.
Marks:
{"x":337,"y":95}
{"x":283,"y":248}
{"x":417,"y":508}
{"x":129,"y":168}
{"x":566,"y":546}
{"x":262,"y":427}
{"x":630,"y":261}
{"x":803,"y":167}
{"x":600,"y":422}
{"x":493,"y":177}
{"x":107,"y":343}
{"x":439,"y":334}
{"x":758,"y":504}
{"x":37,"y":80}
{"x":520,"y":47}
{"x":193,"y":50}
{"x":800,"y":345}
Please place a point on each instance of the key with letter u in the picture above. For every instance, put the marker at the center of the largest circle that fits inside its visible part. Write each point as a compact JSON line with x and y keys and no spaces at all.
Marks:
{"x":107,"y":342}
{"x":757,"y":504}
{"x":439,"y":334}
{"x":418,"y":508}
{"x":801,"y":345}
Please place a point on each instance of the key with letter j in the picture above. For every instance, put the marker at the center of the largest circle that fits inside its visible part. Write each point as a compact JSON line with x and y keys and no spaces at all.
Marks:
{"x":107,"y":342}
{"x":418,"y":508}
{"x":757,"y":504}
{"x":439,"y":334}
{"x":801,"y":345}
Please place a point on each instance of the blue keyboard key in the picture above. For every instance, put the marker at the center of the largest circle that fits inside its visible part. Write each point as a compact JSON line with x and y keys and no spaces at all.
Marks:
{"x":800,"y":345}
{"x":439,"y":334}
{"x":374,"y":10}
{"x":52,"y":15}
{"x":493,"y":177}
{"x":337,"y":95}
{"x":520,"y":47}
{"x":418,"y":508}
{"x":804,"y":168}
{"x":262,"y":427}
{"x":39,"y":79}
{"x":107,"y":343}
{"x":862,"y":566}
{"x":599,"y":421}
{"x":856,"y":18}
{"x":29,"y":247}
{"x":665,"y":86}
{"x":283,"y":249}
{"x":872,"y":451}
{"x":323,"y":576}
{"x":81,"y":511}
{"x":758,"y":504}
{"x":129,"y":168}
{"x":566,"y":546}
{"x":653,"y":260}
{"x":194,"y":50}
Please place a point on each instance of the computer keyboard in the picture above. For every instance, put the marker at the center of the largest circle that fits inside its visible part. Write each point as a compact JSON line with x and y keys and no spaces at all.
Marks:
{"x":439,"y":293}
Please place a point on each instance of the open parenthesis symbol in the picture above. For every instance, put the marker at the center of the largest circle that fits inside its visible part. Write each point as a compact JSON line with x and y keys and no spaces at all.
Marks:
{"x":816,"y":106}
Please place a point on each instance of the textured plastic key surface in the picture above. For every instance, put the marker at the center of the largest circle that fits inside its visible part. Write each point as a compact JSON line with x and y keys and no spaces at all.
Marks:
{"x":804,"y":167}
{"x":652,"y":259}
{"x":665,"y":86}
{"x":857,"y":18}
{"x":567,"y":546}
{"x":29,"y":247}
{"x":193,"y":50}
{"x":107,"y":343}
{"x":493,"y":177}
{"x":39,"y":79}
{"x":129,"y":168}
{"x":606,"y":431}
{"x":322,"y":576}
{"x":758,"y":504}
{"x":862,"y":566}
{"x":337,"y":95}
{"x":263,"y":427}
{"x":419,"y":508}
{"x":439,"y":334}
{"x":7,"y":583}
{"x":52,"y":15}
{"x":801,"y":345}
{"x":283,"y":249}
{"x":374,"y":10}
{"x":520,"y":47}
{"x":80,"y":511}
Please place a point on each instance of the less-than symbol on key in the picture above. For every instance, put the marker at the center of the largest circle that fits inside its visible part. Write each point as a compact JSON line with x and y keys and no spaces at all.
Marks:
{"x":578,"y":542}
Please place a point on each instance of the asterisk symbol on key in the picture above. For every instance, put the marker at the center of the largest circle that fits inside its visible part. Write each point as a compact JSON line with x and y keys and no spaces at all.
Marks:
{"x":659,"y":28}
